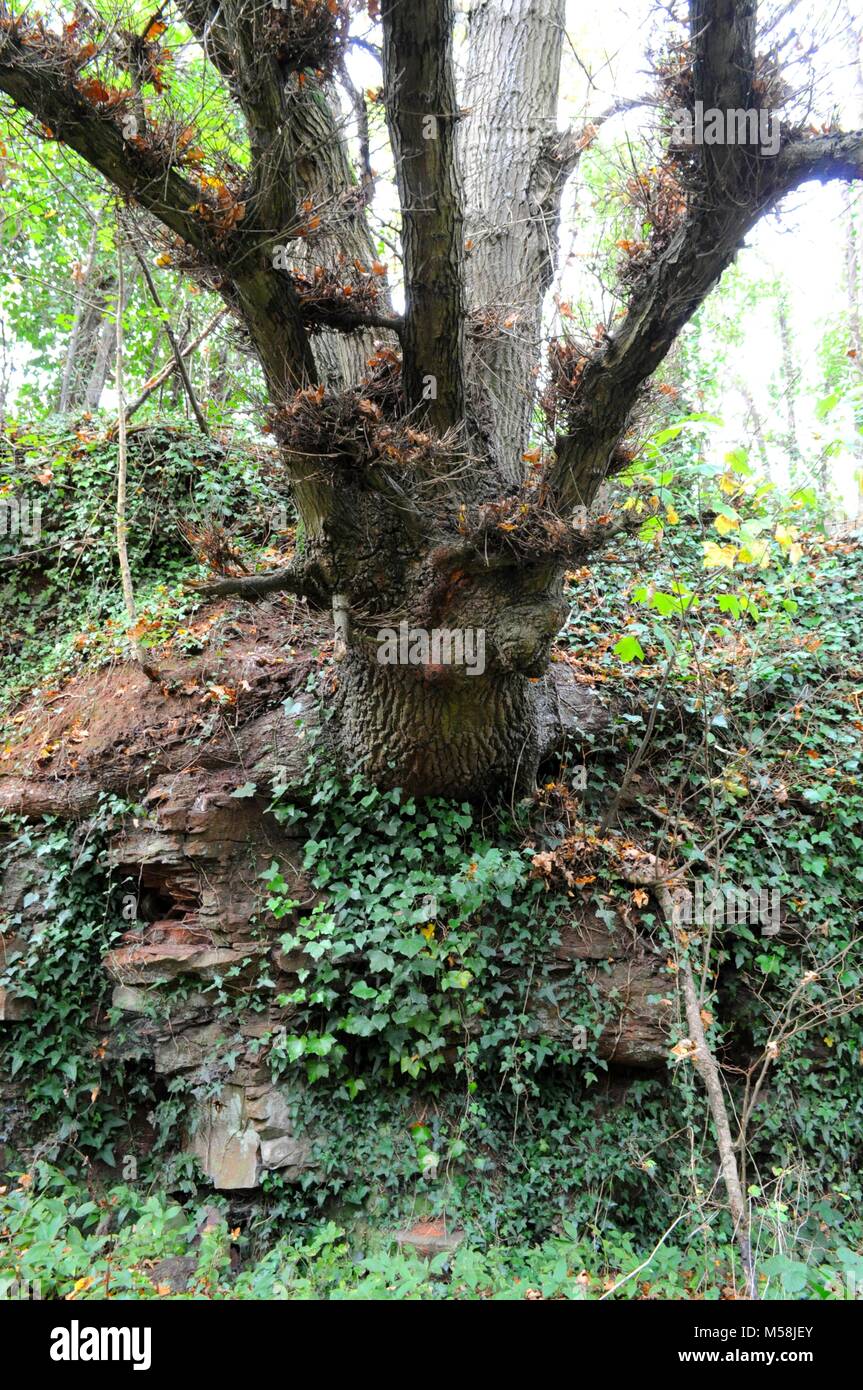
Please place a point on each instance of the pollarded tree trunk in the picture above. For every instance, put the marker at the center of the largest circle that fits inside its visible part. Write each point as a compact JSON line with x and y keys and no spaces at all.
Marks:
{"x":456,"y":729}
{"x":439,"y":459}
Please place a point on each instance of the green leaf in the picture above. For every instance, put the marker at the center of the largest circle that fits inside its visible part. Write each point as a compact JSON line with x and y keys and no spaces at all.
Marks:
{"x":629,"y":649}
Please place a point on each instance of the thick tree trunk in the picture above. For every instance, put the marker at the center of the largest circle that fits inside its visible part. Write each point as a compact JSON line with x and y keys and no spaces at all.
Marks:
{"x":410,"y":473}
{"x":476,"y":727}
{"x":436,"y":733}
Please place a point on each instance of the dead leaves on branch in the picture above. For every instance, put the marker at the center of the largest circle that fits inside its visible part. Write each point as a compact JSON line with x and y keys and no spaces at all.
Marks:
{"x":81,"y":44}
{"x":307,"y":35}
{"x":212,"y":546}
{"x":220,"y":207}
{"x":161,"y":144}
{"x":350,"y":429}
{"x":661,"y":200}
{"x":340,"y":295}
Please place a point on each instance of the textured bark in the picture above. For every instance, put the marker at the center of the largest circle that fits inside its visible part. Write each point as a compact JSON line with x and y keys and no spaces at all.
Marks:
{"x":421,"y":729}
{"x":482,"y":735}
{"x":515,"y":167}
{"x":421,"y":107}
{"x":723,"y":39}
{"x":324,"y":175}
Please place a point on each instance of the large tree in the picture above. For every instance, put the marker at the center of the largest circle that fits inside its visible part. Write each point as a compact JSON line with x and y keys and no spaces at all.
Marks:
{"x":436,"y":459}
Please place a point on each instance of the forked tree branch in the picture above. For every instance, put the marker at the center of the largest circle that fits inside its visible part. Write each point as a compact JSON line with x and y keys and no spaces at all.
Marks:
{"x":300,"y":159}
{"x":39,"y":75}
{"x":722,"y":207}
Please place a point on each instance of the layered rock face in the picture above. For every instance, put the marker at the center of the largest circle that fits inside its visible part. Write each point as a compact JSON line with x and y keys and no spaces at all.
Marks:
{"x":190,"y":870}
{"x":197,"y":861}
{"x":187,"y":975}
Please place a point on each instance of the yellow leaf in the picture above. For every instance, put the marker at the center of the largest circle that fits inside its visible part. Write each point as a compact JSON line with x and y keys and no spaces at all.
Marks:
{"x":671,"y":516}
{"x":756,"y":553}
{"x":719,"y":556}
{"x":726,"y":524}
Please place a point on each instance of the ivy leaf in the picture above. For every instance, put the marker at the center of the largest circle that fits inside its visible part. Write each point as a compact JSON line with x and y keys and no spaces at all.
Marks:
{"x":629,"y":649}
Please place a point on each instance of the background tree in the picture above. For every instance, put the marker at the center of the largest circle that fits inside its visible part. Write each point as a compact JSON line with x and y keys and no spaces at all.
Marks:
{"x":436,"y":461}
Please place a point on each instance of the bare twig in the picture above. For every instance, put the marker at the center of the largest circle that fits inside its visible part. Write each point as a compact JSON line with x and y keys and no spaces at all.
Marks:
{"x":175,"y":347}
{"x":156,"y":381}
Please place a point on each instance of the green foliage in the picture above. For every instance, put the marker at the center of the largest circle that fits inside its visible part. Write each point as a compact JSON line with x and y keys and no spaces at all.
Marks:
{"x":64,"y":590}
{"x":418,"y":951}
{"x":744,"y":718}
{"x":79,"y":1099}
{"x":64,"y":1243}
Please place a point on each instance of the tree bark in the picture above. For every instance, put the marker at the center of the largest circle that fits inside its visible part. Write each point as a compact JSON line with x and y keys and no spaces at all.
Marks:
{"x":516,"y":165}
{"x":419,"y":89}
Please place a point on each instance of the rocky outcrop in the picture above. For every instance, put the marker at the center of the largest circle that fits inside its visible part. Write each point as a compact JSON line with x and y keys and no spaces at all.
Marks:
{"x":629,"y":977}
{"x":14,"y":1007}
{"x":187,"y":864}
{"x":188,"y":868}
{"x":430,"y":1238}
{"x":219,"y":718}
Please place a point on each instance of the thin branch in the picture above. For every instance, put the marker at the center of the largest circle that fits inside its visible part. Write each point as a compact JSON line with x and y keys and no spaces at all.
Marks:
{"x":648,"y":871}
{"x":175,"y":347}
{"x":304,"y":579}
{"x":156,"y":381}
